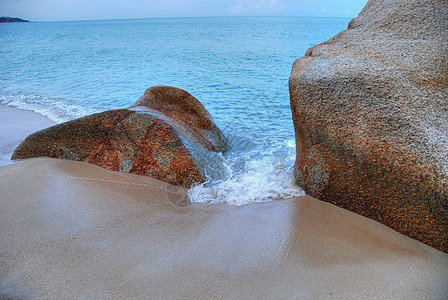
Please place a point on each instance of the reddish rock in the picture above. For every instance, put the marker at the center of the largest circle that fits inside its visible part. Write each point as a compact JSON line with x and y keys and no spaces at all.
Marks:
{"x":180,"y":109}
{"x":371,"y":120}
{"x":140,"y":142}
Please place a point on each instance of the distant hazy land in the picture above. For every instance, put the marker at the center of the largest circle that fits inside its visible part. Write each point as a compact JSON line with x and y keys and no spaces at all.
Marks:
{"x":11,"y":20}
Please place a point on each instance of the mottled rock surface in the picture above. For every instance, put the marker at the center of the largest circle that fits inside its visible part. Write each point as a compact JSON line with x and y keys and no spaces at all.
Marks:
{"x":140,"y":142}
{"x":370,"y":111}
{"x":180,"y":109}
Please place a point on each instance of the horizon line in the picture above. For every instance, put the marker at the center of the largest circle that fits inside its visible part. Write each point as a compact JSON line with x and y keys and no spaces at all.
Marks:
{"x":181,"y":17}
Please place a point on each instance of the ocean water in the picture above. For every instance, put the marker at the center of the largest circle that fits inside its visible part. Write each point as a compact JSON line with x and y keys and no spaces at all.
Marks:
{"x":238,"y":67}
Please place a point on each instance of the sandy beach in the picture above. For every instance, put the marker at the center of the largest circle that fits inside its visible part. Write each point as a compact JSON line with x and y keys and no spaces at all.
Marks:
{"x":70,"y":230}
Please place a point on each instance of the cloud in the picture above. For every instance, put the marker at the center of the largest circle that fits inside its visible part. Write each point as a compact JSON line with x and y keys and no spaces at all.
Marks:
{"x":251,"y":7}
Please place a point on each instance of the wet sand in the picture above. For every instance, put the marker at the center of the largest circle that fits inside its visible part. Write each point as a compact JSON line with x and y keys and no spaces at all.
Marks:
{"x":15,"y":125}
{"x":71,"y":230}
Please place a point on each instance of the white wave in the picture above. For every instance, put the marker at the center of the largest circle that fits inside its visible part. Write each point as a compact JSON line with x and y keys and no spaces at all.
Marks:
{"x":56,"y":109}
{"x":269,"y":177}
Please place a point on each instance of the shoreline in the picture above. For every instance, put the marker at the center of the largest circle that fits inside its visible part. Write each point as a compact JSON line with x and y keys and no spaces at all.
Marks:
{"x":74,"y":230}
{"x":16,"y":124}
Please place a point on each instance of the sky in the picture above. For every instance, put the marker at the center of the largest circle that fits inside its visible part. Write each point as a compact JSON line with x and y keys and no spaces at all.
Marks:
{"x":62,"y":10}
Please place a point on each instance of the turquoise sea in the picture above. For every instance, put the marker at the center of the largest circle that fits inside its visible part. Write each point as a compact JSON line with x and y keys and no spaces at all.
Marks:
{"x":238,"y":67}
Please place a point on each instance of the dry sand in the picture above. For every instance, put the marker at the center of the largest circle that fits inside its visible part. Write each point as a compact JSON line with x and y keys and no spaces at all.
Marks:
{"x":71,"y":230}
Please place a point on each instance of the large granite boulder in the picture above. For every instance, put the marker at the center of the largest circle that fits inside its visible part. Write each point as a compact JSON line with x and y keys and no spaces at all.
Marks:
{"x":370,"y":111}
{"x":166,"y":142}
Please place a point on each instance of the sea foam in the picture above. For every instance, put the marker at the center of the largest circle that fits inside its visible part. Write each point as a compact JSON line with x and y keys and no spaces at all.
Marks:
{"x":263,"y":178}
{"x":56,"y":109}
